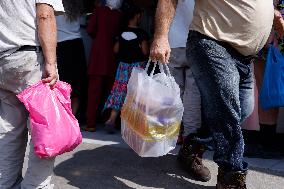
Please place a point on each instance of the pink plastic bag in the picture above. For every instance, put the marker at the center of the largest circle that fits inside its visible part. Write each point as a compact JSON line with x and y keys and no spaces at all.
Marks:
{"x":54,"y":129}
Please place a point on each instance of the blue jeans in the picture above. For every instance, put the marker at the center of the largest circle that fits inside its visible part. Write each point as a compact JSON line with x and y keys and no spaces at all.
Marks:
{"x":225,"y":80}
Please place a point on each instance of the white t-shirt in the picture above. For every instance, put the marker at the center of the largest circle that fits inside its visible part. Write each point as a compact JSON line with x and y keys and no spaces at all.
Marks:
{"x":180,"y":26}
{"x":67,"y":30}
{"x":18,"y":23}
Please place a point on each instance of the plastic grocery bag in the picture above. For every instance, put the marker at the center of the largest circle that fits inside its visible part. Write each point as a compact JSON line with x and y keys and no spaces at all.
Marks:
{"x":54,"y":129}
{"x":272,"y":90}
{"x":152,"y":112}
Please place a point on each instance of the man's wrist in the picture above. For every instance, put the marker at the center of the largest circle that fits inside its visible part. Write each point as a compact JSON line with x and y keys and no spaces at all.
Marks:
{"x":161,"y":37}
{"x":50,"y":62}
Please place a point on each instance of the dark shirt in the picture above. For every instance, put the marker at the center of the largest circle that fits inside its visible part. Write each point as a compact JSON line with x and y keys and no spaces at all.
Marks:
{"x":130,"y":45}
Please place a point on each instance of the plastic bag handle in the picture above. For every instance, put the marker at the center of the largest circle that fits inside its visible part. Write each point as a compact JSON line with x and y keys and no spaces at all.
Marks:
{"x":153,"y":70}
{"x":161,"y":67}
{"x":148,"y":65}
{"x":168,"y":72}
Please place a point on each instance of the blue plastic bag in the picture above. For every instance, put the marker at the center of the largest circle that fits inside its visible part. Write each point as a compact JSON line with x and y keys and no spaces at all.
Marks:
{"x":272,"y":90}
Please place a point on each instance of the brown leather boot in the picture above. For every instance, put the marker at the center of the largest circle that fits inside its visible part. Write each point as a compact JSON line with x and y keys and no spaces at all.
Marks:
{"x":231,"y":180}
{"x":191,"y":159}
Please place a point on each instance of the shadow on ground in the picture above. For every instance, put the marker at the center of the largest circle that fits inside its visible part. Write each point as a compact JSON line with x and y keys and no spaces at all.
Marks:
{"x":116,"y":168}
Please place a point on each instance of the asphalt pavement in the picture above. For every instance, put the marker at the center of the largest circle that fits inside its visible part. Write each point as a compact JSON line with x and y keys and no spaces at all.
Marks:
{"x":104,"y":161}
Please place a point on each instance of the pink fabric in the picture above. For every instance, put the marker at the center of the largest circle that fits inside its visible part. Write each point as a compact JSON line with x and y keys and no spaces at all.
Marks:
{"x":54,"y":129}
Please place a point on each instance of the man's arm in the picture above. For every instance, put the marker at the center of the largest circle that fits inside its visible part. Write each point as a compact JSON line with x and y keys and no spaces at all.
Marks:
{"x":160,"y":49}
{"x":47,"y":33}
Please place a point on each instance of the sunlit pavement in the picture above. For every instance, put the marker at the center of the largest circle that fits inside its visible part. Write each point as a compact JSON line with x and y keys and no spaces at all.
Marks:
{"x":106,"y":162}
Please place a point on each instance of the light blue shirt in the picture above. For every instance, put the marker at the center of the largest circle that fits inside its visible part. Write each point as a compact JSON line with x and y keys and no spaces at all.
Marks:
{"x":180,"y":26}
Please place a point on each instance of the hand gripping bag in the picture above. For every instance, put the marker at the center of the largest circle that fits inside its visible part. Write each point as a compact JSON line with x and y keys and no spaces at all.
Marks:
{"x":152,"y":112}
{"x":272,"y":90}
{"x":54,"y":129}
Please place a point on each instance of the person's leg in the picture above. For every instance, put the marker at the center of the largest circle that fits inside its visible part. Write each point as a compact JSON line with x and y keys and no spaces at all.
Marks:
{"x":79,"y":71}
{"x":218,"y":79}
{"x":66,"y":62}
{"x":192,"y":105}
{"x":13,"y":139}
{"x":113,"y":116}
{"x":190,"y":157}
{"x":176,"y":65}
{"x":250,"y":130}
{"x":94,"y":97}
{"x":265,"y":117}
{"x":20,"y":70}
{"x":114,"y":89}
{"x":114,"y":99}
{"x":39,"y":172}
{"x":118,"y":93}
{"x":35,"y":179}
{"x":246,"y":88}
{"x":180,"y":70}
{"x":192,"y":126}
{"x":247,"y":98}
{"x":79,"y":80}
{"x":75,"y":103}
{"x":267,"y":120}
{"x":71,"y":63}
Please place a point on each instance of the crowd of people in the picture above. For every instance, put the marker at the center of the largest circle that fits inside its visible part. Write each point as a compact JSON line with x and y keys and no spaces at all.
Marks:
{"x":216,"y":52}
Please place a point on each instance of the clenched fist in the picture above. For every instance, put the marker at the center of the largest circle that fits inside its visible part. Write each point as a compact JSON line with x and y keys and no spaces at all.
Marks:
{"x":160,"y":50}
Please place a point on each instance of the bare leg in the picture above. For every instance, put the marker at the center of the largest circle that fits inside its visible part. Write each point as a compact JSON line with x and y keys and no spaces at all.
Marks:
{"x":75,"y":105}
{"x":113,"y":117}
{"x":110,"y":124}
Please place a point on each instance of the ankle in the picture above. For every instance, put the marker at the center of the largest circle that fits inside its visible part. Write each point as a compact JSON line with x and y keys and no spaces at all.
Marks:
{"x":110,"y":122}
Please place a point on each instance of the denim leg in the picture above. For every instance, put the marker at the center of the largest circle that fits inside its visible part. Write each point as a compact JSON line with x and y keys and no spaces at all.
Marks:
{"x":246,"y":90}
{"x":216,"y":71}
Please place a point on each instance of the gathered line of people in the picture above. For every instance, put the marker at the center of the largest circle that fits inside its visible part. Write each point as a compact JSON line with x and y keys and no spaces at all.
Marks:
{"x":210,"y":46}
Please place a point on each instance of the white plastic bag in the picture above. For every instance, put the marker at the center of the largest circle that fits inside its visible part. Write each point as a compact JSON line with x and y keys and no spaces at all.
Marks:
{"x":152,"y":112}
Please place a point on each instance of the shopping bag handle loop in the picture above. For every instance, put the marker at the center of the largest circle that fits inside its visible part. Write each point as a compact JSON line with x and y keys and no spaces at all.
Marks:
{"x":148,"y":65}
{"x":161,"y":67}
{"x":153,"y":70}
{"x":167,"y":72}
